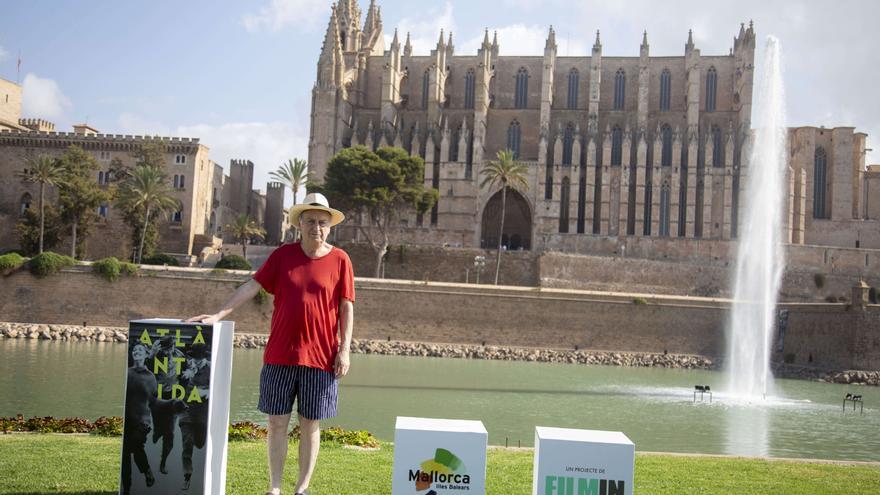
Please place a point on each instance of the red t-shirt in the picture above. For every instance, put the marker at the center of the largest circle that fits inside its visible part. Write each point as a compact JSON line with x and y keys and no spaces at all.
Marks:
{"x":308,"y":293}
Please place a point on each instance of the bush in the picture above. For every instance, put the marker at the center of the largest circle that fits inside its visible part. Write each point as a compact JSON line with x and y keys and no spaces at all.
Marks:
{"x":358,"y":438}
{"x":246,"y":430}
{"x":819,"y":280}
{"x":160,"y":259}
{"x":639,"y":301}
{"x":10,"y":262}
{"x":108,"y":427}
{"x":48,"y":263}
{"x":262,"y":296}
{"x":110,"y":268}
{"x":233,"y":262}
{"x":107,"y":268}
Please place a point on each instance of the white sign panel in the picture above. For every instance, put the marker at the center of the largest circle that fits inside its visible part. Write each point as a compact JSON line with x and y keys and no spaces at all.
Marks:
{"x":582,"y":462}
{"x":439,"y":456}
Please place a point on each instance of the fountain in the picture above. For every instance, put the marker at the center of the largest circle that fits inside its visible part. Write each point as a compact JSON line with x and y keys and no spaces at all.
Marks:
{"x":760,"y":259}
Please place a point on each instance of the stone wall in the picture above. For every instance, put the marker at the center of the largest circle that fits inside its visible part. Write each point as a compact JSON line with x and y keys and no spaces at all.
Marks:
{"x":836,"y":335}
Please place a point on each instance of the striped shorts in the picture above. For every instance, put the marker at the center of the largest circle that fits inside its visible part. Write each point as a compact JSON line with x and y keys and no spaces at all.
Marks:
{"x":313,"y":389}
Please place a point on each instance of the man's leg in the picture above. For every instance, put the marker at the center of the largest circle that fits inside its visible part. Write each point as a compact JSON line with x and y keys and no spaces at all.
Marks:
{"x":277,"y":440}
{"x":309,"y":444}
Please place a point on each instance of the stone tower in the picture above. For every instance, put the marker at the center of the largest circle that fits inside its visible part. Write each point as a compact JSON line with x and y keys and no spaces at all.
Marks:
{"x":274,"y":223}
{"x":241,"y":178}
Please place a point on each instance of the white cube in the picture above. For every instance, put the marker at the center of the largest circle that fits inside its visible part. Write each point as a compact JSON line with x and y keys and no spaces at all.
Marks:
{"x":439,"y":456}
{"x":582,"y":462}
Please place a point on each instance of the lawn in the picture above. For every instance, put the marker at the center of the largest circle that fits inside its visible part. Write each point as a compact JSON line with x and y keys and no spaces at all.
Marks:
{"x":83,"y":464}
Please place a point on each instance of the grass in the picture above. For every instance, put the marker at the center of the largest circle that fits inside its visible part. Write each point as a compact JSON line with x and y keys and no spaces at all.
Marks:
{"x":86,"y":464}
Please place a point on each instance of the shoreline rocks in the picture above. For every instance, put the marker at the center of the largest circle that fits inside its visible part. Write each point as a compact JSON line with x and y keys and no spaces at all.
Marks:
{"x":72,"y":333}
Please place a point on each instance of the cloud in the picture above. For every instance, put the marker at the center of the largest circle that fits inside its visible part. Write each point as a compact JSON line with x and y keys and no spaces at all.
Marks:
{"x":3,"y":54}
{"x":267,"y":144}
{"x":424,"y":29}
{"x":280,"y":14}
{"x":42,"y":98}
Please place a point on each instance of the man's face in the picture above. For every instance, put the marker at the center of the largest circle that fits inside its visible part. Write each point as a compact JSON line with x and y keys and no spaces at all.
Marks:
{"x":315,"y":225}
{"x":139,"y":353}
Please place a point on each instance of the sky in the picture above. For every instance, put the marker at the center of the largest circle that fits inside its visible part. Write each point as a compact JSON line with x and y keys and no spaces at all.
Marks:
{"x":238,"y":74}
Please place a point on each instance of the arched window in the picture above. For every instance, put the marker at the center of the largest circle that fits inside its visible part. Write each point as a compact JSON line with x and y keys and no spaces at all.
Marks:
{"x":212,"y":221}
{"x":717,"y":147}
{"x":616,"y":146}
{"x":101,"y":177}
{"x":666,"y":146}
{"x":25,"y":204}
{"x":820,"y":182}
{"x":711,"y":89}
{"x":426,"y":79}
{"x":619,"y":89}
{"x":177,"y":216}
{"x":664,"y":209}
{"x":573,"y":77}
{"x":470,"y":80}
{"x":103,"y":210}
{"x":513,"y":138}
{"x":522,"y":88}
{"x":665,"y":90}
{"x":567,"y":144}
{"x":342,"y":39}
{"x":453,"y":146}
{"x":564,"y":204}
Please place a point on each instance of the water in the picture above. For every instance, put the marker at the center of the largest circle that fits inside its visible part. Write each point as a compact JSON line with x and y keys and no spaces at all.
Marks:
{"x":760,"y":258}
{"x":654,"y":407}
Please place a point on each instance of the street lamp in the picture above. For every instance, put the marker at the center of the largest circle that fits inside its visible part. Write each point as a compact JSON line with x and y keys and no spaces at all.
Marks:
{"x":479,"y":263}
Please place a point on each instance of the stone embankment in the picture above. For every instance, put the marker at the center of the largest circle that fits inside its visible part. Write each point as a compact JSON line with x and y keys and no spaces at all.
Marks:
{"x":490,"y":352}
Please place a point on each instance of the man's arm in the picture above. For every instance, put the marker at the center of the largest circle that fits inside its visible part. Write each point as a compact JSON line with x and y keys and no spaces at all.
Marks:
{"x":242,"y":294}
{"x":346,"y":323}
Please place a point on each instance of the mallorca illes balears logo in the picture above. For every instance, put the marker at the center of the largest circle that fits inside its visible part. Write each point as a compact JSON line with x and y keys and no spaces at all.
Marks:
{"x":445,"y":472}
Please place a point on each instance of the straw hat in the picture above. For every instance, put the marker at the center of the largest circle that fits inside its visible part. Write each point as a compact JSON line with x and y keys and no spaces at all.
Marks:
{"x":315,"y":201}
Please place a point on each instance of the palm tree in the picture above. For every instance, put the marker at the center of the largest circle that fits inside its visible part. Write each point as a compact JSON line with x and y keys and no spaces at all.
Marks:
{"x":243,"y":228}
{"x":504,"y":172}
{"x":146,"y":190}
{"x":47,"y":171}
{"x":293,"y":174}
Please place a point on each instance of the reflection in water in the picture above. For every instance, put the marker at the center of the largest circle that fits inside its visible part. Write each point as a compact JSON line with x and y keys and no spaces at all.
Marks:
{"x":747,"y":429}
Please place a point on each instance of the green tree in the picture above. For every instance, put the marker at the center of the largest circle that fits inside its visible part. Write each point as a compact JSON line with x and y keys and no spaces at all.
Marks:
{"x":80,"y":195}
{"x":45,"y":171}
{"x":293,"y":173}
{"x":243,"y":229}
{"x":145,"y":193}
{"x":379,"y":186}
{"x":30,"y":232}
{"x":504,"y":172}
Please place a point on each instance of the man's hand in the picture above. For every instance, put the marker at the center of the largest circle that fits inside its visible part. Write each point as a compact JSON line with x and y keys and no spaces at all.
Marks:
{"x":342,"y":363}
{"x":206,"y":319}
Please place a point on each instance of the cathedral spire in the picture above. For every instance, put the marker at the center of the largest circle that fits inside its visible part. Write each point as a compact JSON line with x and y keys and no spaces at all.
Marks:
{"x":486,"y":39}
{"x":643,"y":50}
{"x":551,"y":40}
{"x":495,"y":40}
{"x":330,"y":51}
{"x":441,"y":43}
{"x":407,"y":46}
{"x":395,"y":43}
{"x":690,"y":43}
{"x":597,"y":45}
{"x":374,"y":20}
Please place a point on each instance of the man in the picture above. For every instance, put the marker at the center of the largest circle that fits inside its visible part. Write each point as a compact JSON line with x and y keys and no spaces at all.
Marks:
{"x":140,"y":393}
{"x":313,"y":285}
{"x":194,"y":423}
